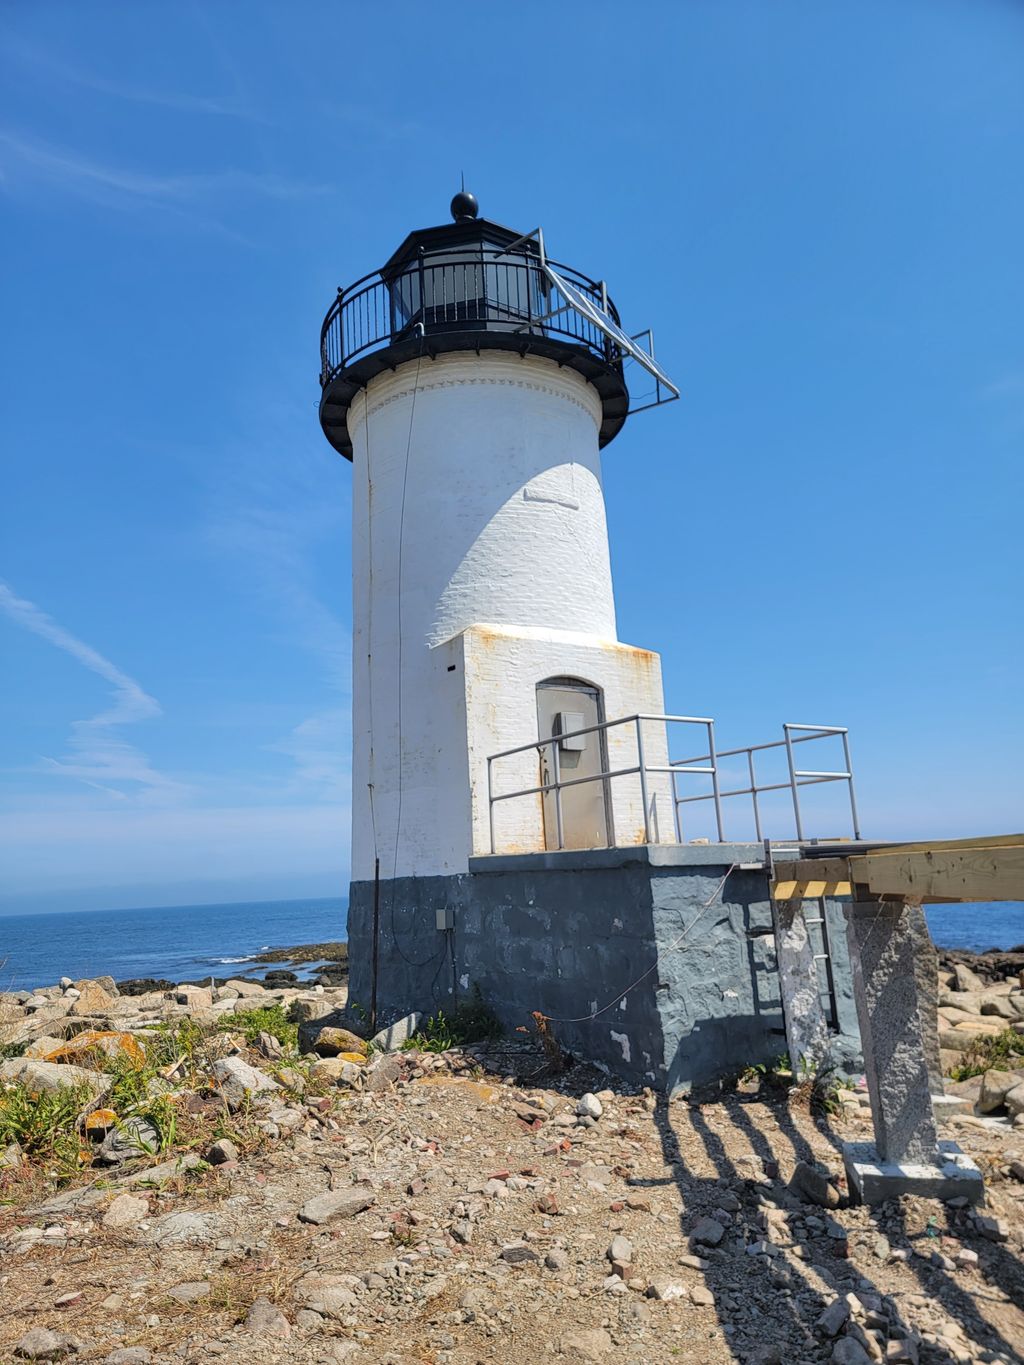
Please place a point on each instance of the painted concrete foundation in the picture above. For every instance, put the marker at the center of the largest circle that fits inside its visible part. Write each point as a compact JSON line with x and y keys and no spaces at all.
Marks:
{"x":567,"y":933}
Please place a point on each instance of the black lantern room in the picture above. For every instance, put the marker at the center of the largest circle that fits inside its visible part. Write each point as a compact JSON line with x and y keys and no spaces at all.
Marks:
{"x":468,"y":285}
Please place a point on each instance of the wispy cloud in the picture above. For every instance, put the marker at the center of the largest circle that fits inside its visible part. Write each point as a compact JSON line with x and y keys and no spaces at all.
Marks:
{"x":73,"y":171}
{"x":98,"y":756}
{"x":36,"y":60}
{"x":319,"y":748}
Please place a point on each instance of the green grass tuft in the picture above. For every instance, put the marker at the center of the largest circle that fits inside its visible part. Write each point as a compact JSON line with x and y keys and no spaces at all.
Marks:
{"x":1001,"y":1052}
{"x":272,"y":1019}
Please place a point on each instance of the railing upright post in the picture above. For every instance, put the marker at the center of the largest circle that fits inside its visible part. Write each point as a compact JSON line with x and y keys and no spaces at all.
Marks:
{"x":490,"y":802}
{"x":677,"y":818}
{"x":793,"y":785}
{"x":642,"y":765}
{"x":753,"y":795}
{"x":557,"y":778}
{"x":849,"y":783}
{"x":715,"y":788}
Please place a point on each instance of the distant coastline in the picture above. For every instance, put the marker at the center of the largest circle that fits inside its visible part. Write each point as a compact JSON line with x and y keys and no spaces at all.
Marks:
{"x":245,"y":938}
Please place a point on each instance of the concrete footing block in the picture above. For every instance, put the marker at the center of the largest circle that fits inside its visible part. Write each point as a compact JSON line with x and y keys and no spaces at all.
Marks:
{"x":872,"y":1180}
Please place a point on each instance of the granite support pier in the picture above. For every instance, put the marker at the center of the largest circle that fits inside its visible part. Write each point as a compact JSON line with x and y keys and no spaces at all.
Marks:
{"x":892,"y":1006}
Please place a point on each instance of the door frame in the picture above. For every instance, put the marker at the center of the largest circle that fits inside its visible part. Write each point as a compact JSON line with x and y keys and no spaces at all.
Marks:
{"x":569,"y":683}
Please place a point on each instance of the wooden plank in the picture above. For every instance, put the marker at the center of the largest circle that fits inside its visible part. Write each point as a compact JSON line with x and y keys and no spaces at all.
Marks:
{"x":809,"y":890}
{"x":951,"y":845}
{"x":992,"y":873}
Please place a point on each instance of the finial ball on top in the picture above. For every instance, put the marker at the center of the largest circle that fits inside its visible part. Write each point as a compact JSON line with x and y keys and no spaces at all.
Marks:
{"x":464,"y":207}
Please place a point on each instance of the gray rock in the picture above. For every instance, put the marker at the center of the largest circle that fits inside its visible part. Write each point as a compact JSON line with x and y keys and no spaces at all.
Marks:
{"x":589,"y":1106}
{"x":708,"y":1232}
{"x":847,"y":1351}
{"x":518,"y":1253}
{"x":133,"y":1138}
{"x":245,"y":988}
{"x":268,"y":1320}
{"x":129,"y":1355}
{"x":52,"y":1076}
{"x":393,"y":1037}
{"x":42,"y":1344}
{"x":11,"y":1157}
{"x":966,"y":980}
{"x":621,"y":1250}
{"x":592,"y":1344}
{"x":331,"y":1295}
{"x":665,"y":1289}
{"x":701,"y":1296}
{"x":125,"y":1211}
{"x":323,"y":1208}
{"x":382,"y":1072}
{"x":833,"y":1319}
{"x":237,"y":1080}
{"x":222,"y":1151}
{"x":268,"y":1046}
{"x":180,"y":1229}
{"x":190,"y":1292}
{"x":557,"y":1259}
{"x":462,"y":1231}
{"x":814,"y":1186}
{"x":166,"y":1170}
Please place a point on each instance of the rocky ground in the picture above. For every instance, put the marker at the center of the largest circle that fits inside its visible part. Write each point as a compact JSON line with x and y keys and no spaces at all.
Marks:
{"x":365,"y":1205}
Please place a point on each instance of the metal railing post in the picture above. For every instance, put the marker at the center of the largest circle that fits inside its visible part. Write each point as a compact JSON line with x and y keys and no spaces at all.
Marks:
{"x":557,"y":778}
{"x":677,"y":819}
{"x":849,"y":783}
{"x":490,"y":802}
{"x":642,"y":765}
{"x":753,"y":795}
{"x":793,"y":781}
{"x":716,"y":791}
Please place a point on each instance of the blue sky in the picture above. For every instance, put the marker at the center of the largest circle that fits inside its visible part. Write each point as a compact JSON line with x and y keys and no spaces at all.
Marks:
{"x":817,"y":207}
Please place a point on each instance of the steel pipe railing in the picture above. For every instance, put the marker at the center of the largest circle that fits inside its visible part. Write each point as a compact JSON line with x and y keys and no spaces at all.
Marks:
{"x":704,"y":764}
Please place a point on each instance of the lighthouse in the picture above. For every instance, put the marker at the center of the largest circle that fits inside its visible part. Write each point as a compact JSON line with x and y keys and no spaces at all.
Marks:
{"x":517,"y":823}
{"x":474,"y":383}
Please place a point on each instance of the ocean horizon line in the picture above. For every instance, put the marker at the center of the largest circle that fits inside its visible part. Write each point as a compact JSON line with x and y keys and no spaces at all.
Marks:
{"x":176,"y":905}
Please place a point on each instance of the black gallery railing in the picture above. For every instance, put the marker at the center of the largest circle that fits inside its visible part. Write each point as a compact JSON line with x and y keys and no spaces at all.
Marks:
{"x":453,"y":291}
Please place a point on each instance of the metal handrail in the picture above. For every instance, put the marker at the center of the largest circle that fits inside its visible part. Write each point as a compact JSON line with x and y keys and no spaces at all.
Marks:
{"x":382,"y":308}
{"x":708,"y":766}
{"x":641,"y":769}
{"x":798,"y":777}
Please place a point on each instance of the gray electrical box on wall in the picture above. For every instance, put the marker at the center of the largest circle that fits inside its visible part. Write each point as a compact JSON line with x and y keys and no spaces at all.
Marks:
{"x":565,"y":723}
{"x":445,"y":918}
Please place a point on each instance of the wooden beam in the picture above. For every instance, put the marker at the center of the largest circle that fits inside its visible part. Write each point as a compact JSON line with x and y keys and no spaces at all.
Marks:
{"x":944,"y":845}
{"x":993,"y":873}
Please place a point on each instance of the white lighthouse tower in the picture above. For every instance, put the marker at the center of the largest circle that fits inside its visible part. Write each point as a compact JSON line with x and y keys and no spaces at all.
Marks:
{"x":473,"y":383}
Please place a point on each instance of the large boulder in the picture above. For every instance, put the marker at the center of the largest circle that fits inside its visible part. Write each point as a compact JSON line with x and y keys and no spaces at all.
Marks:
{"x":107,"y":1042}
{"x":237,"y":1080}
{"x":995,"y":1085}
{"x":92,"y":1000}
{"x":39,"y":1076}
{"x":331,"y":1041}
{"x":966,"y":980}
{"x":1014,"y":1100}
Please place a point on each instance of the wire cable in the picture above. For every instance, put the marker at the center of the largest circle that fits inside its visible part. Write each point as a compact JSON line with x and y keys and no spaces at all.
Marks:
{"x":585,"y":1018}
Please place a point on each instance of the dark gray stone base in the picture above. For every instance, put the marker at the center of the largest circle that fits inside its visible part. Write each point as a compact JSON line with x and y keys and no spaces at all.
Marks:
{"x":613,"y":945}
{"x":872,"y":1180}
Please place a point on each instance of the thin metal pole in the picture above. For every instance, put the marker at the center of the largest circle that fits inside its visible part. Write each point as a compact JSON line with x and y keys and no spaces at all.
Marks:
{"x":642,"y":766}
{"x":753,"y":794}
{"x":849,"y":783}
{"x":490,"y":802}
{"x":556,"y":778}
{"x":713,"y":757}
{"x":675,"y":809}
{"x":793,"y":782}
{"x":376,"y":943}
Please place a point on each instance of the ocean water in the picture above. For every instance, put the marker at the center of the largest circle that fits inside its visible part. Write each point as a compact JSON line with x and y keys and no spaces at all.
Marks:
{"x":181,"y":943}
{"x":977,"y":927}
{"x":187,"y":942}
